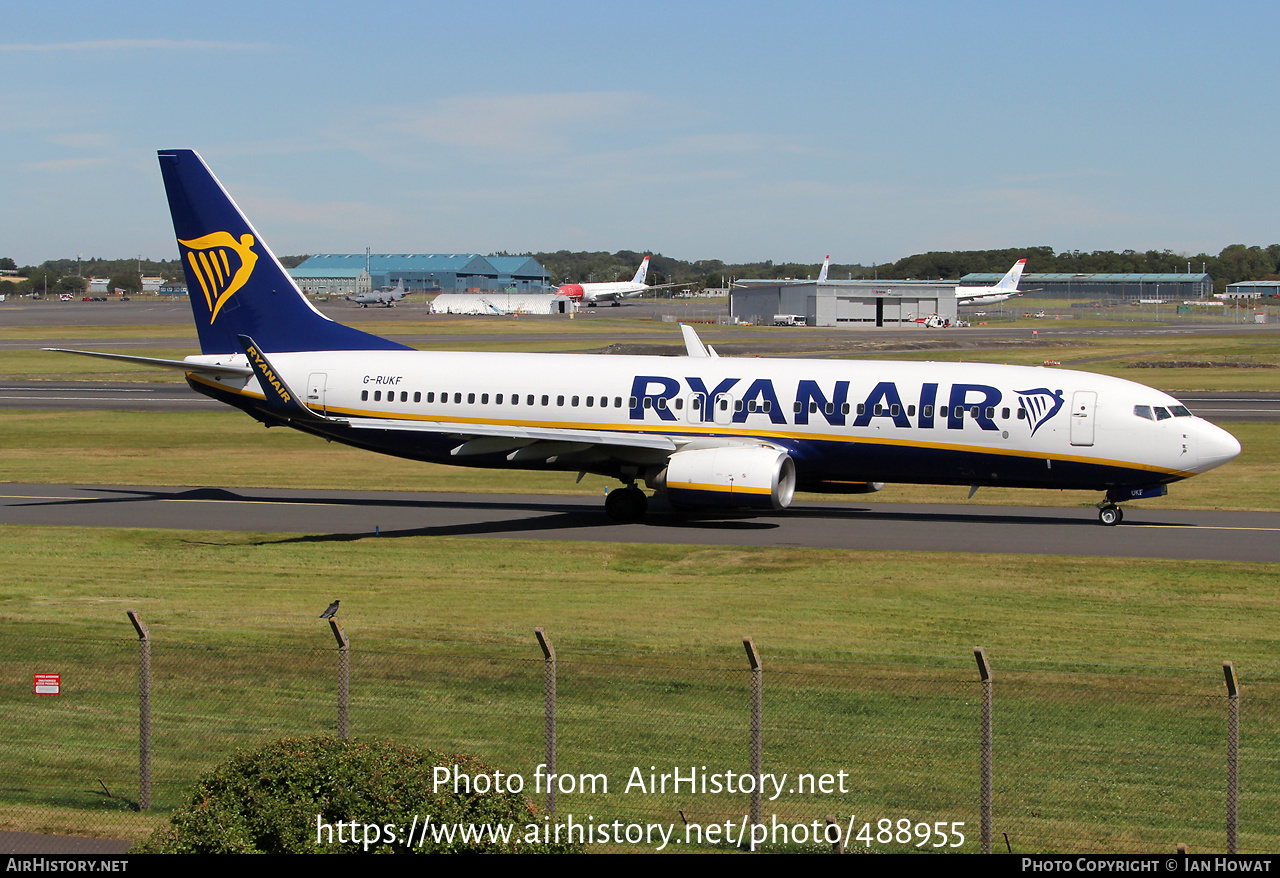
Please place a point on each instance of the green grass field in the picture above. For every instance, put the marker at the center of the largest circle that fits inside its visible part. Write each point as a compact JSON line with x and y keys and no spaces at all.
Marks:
{"x":867,"y":657}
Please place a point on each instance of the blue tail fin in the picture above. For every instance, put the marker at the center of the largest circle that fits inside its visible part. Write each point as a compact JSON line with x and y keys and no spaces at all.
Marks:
{"x":235,"y":283}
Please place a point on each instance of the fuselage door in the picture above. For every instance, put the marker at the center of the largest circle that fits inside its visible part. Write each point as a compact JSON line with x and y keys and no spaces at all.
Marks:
{"x":315,"y":391}
{"x":696,"y":401}
{"x":724,"y":409}
{"x":1083,"y":403}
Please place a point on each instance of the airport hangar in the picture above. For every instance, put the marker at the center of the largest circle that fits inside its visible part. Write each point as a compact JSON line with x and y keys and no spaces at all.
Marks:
{"x":347,"y":274}
{"x":845,"y":304}
{"x":893,"y":302}
{"x":1113,"y":287}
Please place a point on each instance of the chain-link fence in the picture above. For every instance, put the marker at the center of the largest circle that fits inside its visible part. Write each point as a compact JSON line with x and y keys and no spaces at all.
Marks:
{"x":889,"y":748}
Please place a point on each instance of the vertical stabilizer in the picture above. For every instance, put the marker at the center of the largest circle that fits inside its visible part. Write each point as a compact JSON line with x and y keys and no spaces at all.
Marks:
{"x":641,"y":272}
{"x":822,"y":275}
{"x":235,"y":283}
{"x":1009,"y":282}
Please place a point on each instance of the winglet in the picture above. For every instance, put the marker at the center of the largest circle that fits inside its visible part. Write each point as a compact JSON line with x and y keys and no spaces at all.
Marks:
{"x":278,"y":394}
{"x":692,"y":344}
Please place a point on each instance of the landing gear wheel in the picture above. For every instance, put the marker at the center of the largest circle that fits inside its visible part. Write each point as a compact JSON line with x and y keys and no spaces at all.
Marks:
{"x":1110,"y":515}
{"x":626,"y":505}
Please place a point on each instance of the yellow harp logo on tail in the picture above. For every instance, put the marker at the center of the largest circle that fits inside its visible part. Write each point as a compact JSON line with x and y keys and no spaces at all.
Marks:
{"x":219,"y":276}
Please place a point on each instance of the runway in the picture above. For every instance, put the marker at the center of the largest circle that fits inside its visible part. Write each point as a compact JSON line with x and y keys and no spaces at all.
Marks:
{"x":87,"y":396}
{"x":1147,"y":531}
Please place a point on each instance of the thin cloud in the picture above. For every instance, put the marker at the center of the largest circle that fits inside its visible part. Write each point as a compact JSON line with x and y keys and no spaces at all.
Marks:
{"x":65,"y":164}
{"x":131,"y":45}
{"x":520,"y":123}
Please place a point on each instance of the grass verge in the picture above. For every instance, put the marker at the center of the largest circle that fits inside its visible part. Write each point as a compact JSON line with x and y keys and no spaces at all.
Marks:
{"x":1109,"y":693}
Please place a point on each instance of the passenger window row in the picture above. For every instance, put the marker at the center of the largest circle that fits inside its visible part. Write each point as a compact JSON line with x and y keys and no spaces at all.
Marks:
{"x":496,"y":399}
{"x":763,"y":406}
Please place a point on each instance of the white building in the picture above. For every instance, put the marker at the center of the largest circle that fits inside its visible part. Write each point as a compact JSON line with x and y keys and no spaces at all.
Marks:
{"x":843,"y":303}
{"x":501,"y":303}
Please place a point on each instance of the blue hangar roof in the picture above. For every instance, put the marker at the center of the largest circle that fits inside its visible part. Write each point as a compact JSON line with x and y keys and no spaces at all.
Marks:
{"x":463,"y":263}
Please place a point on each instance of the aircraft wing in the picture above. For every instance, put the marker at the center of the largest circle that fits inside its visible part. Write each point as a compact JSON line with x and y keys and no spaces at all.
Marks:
{"x":511,"y":431}
{"x":524,"y":442}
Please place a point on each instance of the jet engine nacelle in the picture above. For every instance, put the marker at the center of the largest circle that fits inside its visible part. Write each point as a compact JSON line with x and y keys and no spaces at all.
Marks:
{"x":729,"y":477}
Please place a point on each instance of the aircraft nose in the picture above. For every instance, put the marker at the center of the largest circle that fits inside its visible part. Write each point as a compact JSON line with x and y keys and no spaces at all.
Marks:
{"x":1215,"y":446}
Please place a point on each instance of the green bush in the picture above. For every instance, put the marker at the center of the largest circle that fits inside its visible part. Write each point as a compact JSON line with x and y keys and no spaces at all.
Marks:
{"x":327,"y":795}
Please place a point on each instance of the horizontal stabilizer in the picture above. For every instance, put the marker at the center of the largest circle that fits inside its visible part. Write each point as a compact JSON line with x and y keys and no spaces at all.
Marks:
{"x":214,"y":369}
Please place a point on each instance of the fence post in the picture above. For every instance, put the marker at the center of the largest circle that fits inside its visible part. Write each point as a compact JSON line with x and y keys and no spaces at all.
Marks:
{"x":1233,"y":758}
{"x":549,"y":709}
{"x":144,"y":711}
{"x":837,"y":846}
{"x":987,"y":744}
{"x":344,"y":678}
{"x":757,"y":728}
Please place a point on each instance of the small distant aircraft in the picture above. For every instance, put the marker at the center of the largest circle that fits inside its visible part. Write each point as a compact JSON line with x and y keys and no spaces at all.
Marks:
{"x":613,"y":292}
{"x":385,"y":298}
{"x":822,"y":276}
{"x":1006,"y":289}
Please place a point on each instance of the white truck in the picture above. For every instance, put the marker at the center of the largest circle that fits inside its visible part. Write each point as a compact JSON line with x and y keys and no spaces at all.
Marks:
{"x":790,"y":320}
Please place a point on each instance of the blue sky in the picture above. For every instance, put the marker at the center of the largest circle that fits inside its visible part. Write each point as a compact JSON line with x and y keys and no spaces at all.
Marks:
{"x":734,"y":131}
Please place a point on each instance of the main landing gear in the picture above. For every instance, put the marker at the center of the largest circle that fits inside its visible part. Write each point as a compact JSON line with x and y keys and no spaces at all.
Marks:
{"x":626,"y":505}
{"x":1110,"y":514}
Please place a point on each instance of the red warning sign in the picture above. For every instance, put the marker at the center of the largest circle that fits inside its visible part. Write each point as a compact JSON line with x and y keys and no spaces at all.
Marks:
{"x":48,"y":684}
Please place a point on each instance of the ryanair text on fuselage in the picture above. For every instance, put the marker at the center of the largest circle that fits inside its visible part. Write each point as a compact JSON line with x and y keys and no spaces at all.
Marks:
{"x":653,"y":398}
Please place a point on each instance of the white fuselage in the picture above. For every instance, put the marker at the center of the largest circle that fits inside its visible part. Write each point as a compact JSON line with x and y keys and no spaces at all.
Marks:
{"x":987,"y":300}
{"x":946,"y":423}
{"x":603,"y":292}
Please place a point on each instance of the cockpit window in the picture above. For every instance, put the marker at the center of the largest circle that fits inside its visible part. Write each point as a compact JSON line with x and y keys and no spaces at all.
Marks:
{"x":1162,"y":414}
{"x":1144,"y":411}
{"x":1180,"y":411}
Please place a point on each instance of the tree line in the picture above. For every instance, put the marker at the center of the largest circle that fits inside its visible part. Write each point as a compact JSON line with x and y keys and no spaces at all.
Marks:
{"x":72,"y":275}
{"x":1236,"y":262}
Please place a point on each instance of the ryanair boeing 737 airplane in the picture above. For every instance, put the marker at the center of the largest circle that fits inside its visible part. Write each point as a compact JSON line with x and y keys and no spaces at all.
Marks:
{"x":710,"y":433}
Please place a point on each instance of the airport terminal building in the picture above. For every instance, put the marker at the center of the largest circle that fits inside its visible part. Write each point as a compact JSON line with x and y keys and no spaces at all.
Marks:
{"x":843,"y":303}
{"x":345,"y":274}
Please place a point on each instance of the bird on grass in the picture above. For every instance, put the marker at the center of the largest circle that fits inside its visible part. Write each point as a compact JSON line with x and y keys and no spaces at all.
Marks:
{"x":329,"y":613}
